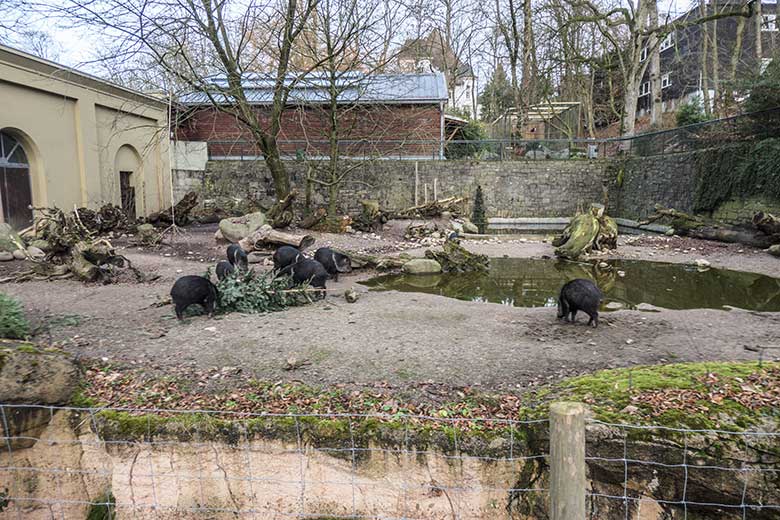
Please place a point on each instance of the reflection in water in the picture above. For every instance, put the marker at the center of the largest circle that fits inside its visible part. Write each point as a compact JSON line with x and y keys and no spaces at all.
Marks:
{"x":523,"y":282}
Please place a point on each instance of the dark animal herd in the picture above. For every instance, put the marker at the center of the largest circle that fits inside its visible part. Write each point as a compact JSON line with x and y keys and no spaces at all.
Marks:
{"x":288,"y":261}
{"x":576,"y":295}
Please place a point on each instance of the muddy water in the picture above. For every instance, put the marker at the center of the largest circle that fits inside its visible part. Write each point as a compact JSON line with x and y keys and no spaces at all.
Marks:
{"x":524,"y":282}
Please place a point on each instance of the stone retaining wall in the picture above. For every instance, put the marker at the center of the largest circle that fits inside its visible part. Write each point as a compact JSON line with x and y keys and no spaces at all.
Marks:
{"x":553,"y":188}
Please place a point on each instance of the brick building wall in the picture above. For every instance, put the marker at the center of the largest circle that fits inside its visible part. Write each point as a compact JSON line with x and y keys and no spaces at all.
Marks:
{"x":380,"y":130}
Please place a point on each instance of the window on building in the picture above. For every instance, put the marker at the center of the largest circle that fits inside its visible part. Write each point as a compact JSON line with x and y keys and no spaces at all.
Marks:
{"x":666,"y":81}
{"x":644,"y":89}
{"x":667,"y":42}
{"x":643,"y":54}
{"x":769,"y":22}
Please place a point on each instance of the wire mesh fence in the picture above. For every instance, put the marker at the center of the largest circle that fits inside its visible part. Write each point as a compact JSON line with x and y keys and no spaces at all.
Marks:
{"x":709,"y":134}
{"x":162,"y":463}
{"x":69,"y":462}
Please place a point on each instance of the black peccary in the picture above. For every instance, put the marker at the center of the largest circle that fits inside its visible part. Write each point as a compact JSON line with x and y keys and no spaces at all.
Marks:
{"x":286,"y":256}
{"x":580,"y":295}
{"x":333,"y":262}
{"x":224,"y":269}
{"x":307,"y":271}
{"x":192,"y":289}
{"x":237,"y":257}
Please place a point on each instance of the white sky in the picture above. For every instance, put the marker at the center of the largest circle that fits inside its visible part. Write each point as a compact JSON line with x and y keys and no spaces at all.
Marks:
{"x":76,"y":47}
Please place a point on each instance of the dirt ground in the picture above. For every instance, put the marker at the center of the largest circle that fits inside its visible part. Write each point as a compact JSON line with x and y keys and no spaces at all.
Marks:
{"x":397,"y":339}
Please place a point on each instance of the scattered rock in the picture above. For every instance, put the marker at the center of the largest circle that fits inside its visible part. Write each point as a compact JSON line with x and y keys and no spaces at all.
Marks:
{"x":613,"y":306}
{"x":234,"y":229}
{"x":629,"y":341}
{"x":421,"y":266}
{"x":5,"y":256}
{"x":351,"y":295}
{"x":469,"y":227}
{"x":35,"y":252}
{"x":630,"y":409}
{"x":147,"y":234}
{"x":774,"y":250}
{"x":701,"y":263}
{"x":19,"y":254}
{"x":669,"y":232}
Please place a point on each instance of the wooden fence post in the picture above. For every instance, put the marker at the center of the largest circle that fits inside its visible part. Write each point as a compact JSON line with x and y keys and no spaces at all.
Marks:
{"x":567,"y":461}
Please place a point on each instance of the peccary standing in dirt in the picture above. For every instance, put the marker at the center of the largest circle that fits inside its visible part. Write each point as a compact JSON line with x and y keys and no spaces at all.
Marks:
{"x":333,"y":262}
{"x":307,"y":271}
{"x":224,"y":269}
{"x":579,"y":295}
{"x":237,"y":257}
{"x":285,"y":256}
{"x":191,"y":289}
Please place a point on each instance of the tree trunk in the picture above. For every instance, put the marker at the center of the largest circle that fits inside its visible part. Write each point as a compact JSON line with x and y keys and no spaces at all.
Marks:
{"x":759,"y":43}
{"x":267,"y":235}
{"x":377,"y":262}
{"x":703,"y":62}
{"x":715,"y":57}
{"x":656,"y":107}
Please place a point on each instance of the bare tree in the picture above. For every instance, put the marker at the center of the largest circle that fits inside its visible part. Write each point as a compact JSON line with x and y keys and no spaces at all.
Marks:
{"x":633,"y":18}
{"x":208,"y":47}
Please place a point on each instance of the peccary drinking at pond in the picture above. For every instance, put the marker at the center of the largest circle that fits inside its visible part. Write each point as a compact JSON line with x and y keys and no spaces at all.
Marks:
{"x":192,"y":289}
{"x":579,"y":295}
{"x":237,"y":257}
{"x":224,"y":269}
{"x":285,"y":256}
{"x":333,"y":262}
{"x":307,"y":271}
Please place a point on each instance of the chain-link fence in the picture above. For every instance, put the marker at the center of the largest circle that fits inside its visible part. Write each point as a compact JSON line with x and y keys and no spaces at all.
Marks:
{"x":709,"y":134}
{"x":68,"y":462}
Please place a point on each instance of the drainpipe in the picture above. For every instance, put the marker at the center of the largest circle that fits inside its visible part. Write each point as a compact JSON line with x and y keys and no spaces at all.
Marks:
{"x":441,"y":130}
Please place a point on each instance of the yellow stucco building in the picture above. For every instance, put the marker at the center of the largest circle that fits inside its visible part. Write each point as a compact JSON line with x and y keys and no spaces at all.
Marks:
{"x":70,"y":139}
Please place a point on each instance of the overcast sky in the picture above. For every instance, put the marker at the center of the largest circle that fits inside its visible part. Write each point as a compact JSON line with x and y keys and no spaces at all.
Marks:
{"x":77,"y":47}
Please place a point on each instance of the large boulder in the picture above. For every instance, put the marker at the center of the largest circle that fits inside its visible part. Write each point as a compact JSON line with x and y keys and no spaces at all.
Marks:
{"x":10,"y":240}
{"x":421,"y":266}
{"x":234,"y":229}
{"x":470,"y":227}
{"x":32,"y":375}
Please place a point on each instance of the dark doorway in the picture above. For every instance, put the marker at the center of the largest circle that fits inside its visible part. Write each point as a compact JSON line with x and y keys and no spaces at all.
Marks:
{"x":127,"y":192}
{"x":15,"y":189}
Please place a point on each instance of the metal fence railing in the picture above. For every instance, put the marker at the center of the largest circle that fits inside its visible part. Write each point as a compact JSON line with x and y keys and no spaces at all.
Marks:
{"x":709,"y":134}
{"x":70,"y":462}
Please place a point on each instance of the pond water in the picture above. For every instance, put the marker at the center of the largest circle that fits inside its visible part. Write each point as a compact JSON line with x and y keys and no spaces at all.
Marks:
{"x":525,"y":282}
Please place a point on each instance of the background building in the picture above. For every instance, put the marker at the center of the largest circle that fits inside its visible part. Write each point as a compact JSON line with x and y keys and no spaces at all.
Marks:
{"x":380,"y":115}
{"x":69,"y":139}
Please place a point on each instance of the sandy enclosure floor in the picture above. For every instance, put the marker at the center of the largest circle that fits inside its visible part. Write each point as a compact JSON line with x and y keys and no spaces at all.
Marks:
{"x":401,"y":339}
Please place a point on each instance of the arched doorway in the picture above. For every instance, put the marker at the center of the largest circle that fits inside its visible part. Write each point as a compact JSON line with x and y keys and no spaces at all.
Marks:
{"x":15,"y":188}
{"x":127,"y":166}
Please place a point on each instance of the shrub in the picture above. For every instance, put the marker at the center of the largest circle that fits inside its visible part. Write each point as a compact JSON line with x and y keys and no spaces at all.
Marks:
{"x":471,"y":131}
{"x":252,"y":292}
{"x":13,"y":324}
{"x":691,"y":112}
{"x":478,"y":214}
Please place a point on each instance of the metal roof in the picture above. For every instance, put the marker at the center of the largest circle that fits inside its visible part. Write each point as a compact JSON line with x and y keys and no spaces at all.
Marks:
{"x":355,"y":87}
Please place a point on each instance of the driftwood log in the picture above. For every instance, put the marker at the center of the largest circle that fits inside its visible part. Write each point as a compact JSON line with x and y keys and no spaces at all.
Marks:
{"x":455,"y":258}
{"x":454,"y":205}
{"x":371,"y":217}
{"x":180,"y":211}
{"x":767,"y":223}
{"x":377,"y":262}
{"x":314,"y":219}
{"x":281,"y":215}
{"x":697,"y":227}
{"x":587,"y":231}
{"x":268,"y":236}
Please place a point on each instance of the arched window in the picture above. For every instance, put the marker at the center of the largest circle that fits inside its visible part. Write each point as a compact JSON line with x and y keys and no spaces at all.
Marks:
{"x":15,"y":190}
